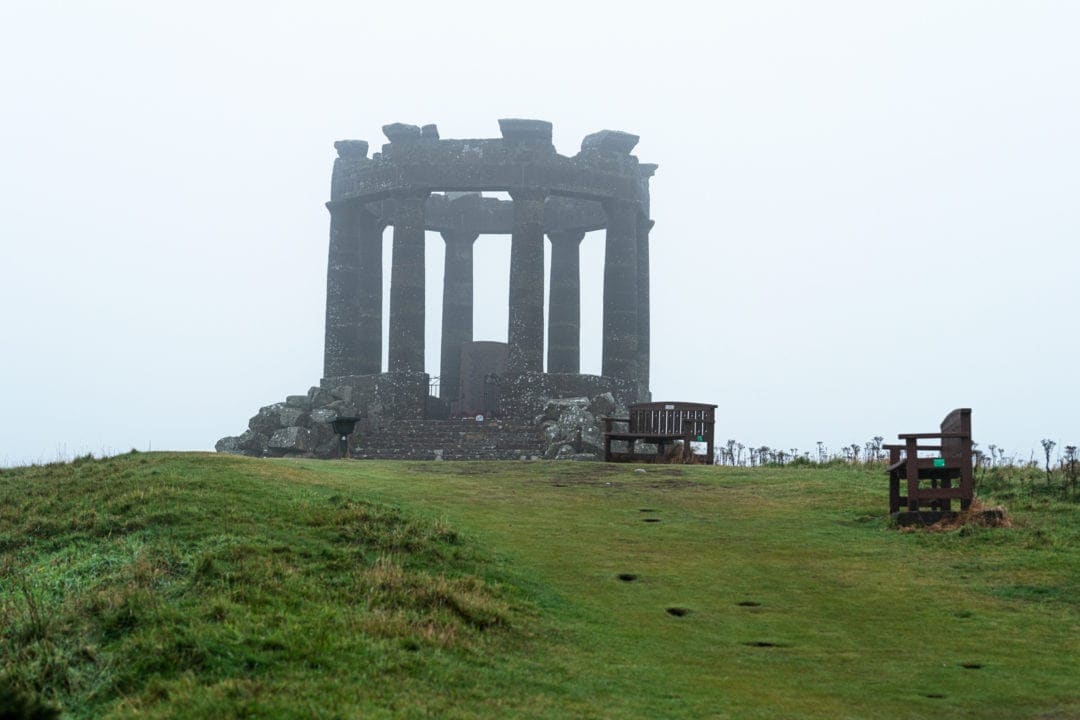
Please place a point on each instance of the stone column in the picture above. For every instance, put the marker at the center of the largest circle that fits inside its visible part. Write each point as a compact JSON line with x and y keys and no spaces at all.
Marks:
{"x":369,"y":325}
{"x":620,"y":350}
{"x":407,"y":285}
{"x":564,"y":302}
{"x":353,"y":293}
{"x":457,"y":309}
{"x":644,"y":225}
{"x":525,"y":334}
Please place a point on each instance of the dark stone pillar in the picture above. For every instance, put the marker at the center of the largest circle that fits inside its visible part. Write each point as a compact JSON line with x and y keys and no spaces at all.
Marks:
{"x":369,"y":326}
{"x":407,"y":285}
{"x":644,"y":225}
{"x":457,"y":309}
{"x":564,"y":303}
{"x":525,"y":335}
{"x":620,"y":353}
{"x":353,"y":340}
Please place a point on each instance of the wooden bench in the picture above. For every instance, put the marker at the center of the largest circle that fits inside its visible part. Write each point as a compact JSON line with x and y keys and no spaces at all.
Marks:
{"x":954,"y":463}
{"x":662,"y":424}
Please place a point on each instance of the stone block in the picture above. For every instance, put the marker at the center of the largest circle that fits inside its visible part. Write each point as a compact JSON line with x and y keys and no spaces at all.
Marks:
{"x":342,"y":392}
{"x":289,"y":416}
{"x":298,"y":401}
{"x":292,"y":440}
{"x":320,"y":397}
{"x":401,"y":132}
{"x":614,"y":141}
{"x":253,"y":443}
{"x":267,"y":420}
{"x":323,"y":416}
{"x":229,"y":445}
{"x":603,"y":405}
{"x":351,"y":149}
{"x":529,"y":131}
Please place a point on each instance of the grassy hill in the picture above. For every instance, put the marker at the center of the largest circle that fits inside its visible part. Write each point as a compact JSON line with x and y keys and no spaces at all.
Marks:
{"x":201,"y":586}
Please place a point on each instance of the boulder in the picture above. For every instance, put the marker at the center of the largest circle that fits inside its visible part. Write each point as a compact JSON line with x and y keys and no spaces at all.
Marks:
{"x":267,"y":420}
{"x":301,"y":402}
{"x":557,"y":407}
{"x":323,"y":416}
{"x":320,"y":397}
{"x":292,"y":416}
{"x":342,"y":392}
{"x":230,"y":445}
{"x":327,"y":449}
{"x":292,"y":440}
{"x":344,"y":409}
{"x":253,"y":443}
{"x":602,"y":405}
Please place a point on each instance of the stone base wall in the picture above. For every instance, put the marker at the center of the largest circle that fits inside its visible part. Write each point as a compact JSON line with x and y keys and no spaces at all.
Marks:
{"x":383,"y":398}
{"x":541,"y":415}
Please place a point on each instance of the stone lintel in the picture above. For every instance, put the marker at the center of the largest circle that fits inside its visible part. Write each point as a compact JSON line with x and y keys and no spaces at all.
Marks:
{"x":430,"y":132}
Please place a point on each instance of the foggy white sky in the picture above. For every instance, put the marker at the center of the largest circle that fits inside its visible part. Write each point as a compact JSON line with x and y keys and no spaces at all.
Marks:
{"x":866,"y":213}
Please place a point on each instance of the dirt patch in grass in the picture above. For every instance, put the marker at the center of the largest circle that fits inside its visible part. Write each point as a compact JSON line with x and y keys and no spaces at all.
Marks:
{"x":627,"y":577}
{"x":677,"y":611}
{"x":765,"y":644}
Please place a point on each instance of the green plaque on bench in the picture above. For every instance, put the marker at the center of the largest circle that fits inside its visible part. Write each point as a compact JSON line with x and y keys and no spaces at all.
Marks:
{"x":700,"y":439}
{"x":939,"y":462}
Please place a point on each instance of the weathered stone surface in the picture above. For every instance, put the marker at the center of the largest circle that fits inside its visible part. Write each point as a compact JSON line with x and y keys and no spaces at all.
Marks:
{"x":525,"y":333}
{"x":528,"y":131}
{"x":323,"y":416}
{"x":320,"y":397}
{"x":569,"y":427}
{"x":253,"y":443}
{"x":603,"y":405}
{"x":229,"y":445}
{"x":351,"y":149}
{"x":457,"y":311}
{"x":407,"y":299}
{"x":292,"y":440}
{"x":615,"y":141}
{"x":292,"y":416}
{"x":556,"y":407}
{"x":401,"y":132}
{"x":298,"y":401}
{"x":327,"y":449}
{"x":342,"y":392}
{"x":267,"y":420}
{"x":564,"y":303}
{"x":620,"y":346}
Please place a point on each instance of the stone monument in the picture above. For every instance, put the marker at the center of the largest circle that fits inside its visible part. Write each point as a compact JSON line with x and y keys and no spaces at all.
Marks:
{"x":421,"y":183}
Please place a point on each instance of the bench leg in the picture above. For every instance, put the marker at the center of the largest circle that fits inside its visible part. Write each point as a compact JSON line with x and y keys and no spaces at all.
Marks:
{"x":894,"y":491}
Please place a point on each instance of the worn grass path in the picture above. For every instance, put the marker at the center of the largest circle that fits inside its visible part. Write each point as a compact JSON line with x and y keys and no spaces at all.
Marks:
{"x":799,"y":601}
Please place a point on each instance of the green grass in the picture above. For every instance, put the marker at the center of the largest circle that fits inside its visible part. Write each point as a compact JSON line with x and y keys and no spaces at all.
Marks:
{"x":200,"y":586}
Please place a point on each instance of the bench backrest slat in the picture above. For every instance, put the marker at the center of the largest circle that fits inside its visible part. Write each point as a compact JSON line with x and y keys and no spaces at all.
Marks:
{"x":956,"y":449}
{"x":668,"y":418}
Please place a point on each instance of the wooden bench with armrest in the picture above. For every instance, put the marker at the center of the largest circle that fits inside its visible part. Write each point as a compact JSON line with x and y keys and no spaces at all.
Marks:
{"x":955,"y":463}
